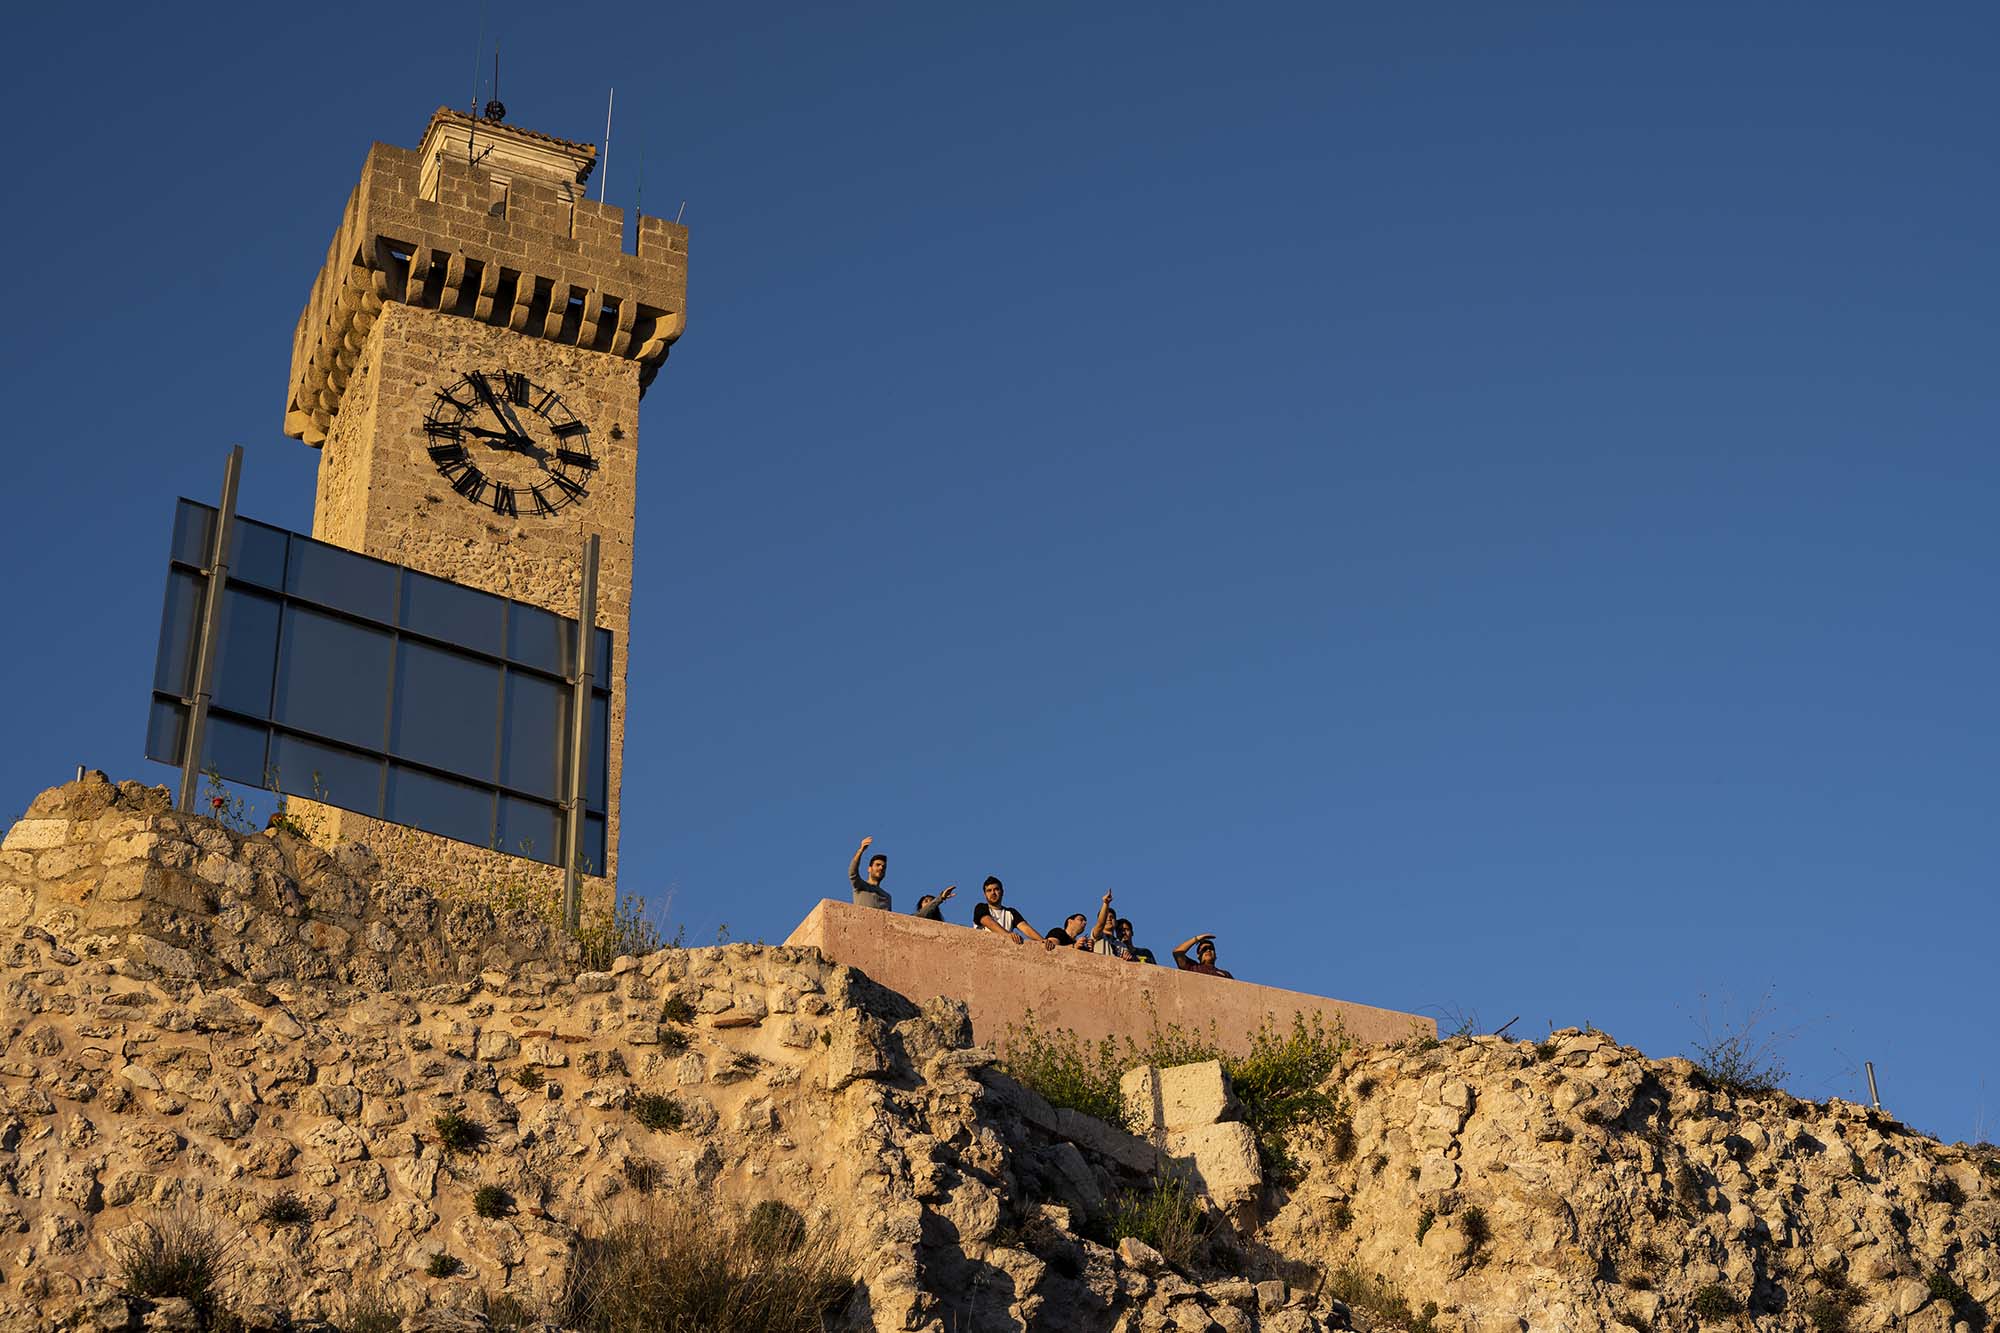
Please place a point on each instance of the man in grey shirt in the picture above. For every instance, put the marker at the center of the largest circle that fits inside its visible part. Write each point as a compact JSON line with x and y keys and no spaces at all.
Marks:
{"x":869,"y":892}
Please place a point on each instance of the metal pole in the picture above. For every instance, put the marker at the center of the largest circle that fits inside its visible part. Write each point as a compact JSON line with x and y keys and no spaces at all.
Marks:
{"x":579,"y":741}
{"x":1873,"y":1096}
{"x":211,"y":620}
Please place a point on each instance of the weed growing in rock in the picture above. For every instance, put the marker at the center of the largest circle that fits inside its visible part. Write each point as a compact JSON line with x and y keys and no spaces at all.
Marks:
{"x":507,"y":1313}
{"x":656,"y":1110}
{"x":676,"y":1009}
{"x":1066,"y":1070}
{"x":179,"y":1253}
{"x":1743,"y":1056}
{"x":685,"y":1267}
{"x":456,"y":1133}
{"x":1945,"y":1288}
{"x":285,"y":1210}
{"x":1472,"y":1225}
{"x":1169,"y":1217}
{"x":1545,"y":1050}
{"x":1714,"y":1302}
{"x":530,"y":1078}
{"x":673,"y":1040}
{"x":368,"y":1311}
{"x":1828,"y":1309}
{"x":1341,"y":1216}
{"x":1424,"y":1221}
{"x":441,"y":1265}
{"x":642,"y":1174}
{"x":492,"y":1201}
{"x":1374,"y":1294}
{"x":625,"y":932}
{"x":774,"y":1226}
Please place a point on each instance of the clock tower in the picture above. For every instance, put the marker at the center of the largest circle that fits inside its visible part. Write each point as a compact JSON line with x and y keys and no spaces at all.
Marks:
{"x":469,"y":365}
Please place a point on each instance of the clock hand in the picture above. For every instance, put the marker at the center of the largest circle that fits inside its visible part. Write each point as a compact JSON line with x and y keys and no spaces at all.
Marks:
{"x":485,"y":392}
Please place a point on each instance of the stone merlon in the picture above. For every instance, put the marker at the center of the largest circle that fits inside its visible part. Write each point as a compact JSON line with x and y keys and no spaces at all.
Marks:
{"x":508,"y":238}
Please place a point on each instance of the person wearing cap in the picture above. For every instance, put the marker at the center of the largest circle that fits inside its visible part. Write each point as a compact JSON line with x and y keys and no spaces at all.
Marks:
{"x":1204,"y":955}
{"x":1001,"y":920}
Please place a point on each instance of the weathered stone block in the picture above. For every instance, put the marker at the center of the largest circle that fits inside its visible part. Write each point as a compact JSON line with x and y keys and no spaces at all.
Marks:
{"x":34,"y":835}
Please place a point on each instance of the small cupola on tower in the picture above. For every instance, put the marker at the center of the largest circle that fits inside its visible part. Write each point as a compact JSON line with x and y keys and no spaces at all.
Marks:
{"x":503,"y":152}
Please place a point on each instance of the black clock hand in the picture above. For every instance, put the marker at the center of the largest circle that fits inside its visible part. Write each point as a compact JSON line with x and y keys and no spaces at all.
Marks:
{"x":485,"y":392}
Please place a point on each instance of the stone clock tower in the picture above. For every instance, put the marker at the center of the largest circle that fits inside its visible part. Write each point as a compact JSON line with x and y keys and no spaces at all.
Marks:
{"x":469,"y":365}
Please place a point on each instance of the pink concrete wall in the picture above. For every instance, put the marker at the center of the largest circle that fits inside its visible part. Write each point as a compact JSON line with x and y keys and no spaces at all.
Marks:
{"x":1095,"y":996}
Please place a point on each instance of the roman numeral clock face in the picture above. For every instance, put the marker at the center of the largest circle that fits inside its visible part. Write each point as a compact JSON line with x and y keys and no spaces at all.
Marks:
{"x":509,"y":445}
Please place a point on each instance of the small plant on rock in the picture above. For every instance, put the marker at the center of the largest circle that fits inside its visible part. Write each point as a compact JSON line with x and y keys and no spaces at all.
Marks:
{"x":285,"y":1210}
{"x":1714,"y":1302}
{"x":456,"y":1133}
{"x":676,"y":1009}
{"x":1828,"y":1309}
{"x":673,"y":1040}
{"x":178,"y":1254}
{"x":1424,"y":1221}
{"x":530,"y":1078}
{"x":774,"y":1227}
{"x":1743,"y":1057}
{"x":1472,"y":1225}
{"x":1945,"y":1288}
{"x":441,"y":1265}
{"x":656,"y":1110}
{"x":642,"y":1174}
{"x":1169,"y":1217}
{"x":368,"y":1311}
{"x":492,"y":1201}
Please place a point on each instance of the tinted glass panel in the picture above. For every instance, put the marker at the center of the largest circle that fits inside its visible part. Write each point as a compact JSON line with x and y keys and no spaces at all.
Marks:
{"x":166,"y":725}
{"x":257,"y":554}
{"x":442,"y":610}
{"x":531,"y":829}
{"x":194,"y":533}
{"x":180,"y":622}
{"x":342,"y":580}
{"x":600,"y":655}
{"x":454,"y":809}
{"x":234,"y":749}
{"x":447,"y":706}
{"x":600,"y":731}
{"x":532,"y":752}
{"x":594,"y":859}
{"x":325,"y":773}
{"x":248,"y":637}
{"x":539,"y":638}
{"x":332,"y":676}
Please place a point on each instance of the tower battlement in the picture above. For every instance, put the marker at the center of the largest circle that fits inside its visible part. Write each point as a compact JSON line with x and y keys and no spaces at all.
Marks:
{"x":488,"y":222}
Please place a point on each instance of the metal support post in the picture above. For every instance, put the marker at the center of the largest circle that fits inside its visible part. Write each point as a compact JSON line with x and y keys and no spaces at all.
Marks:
{"x":206,"y":649}
{"x":579,"y":741}
{"x":1873,"y":1096}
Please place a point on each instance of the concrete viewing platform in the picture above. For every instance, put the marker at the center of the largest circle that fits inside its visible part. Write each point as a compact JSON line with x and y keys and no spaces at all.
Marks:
{"x":1094,"y":996}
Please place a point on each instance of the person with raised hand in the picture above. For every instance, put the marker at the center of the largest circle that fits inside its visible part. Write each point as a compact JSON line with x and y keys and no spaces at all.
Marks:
{"x":1204,"y":955}
{"x":869,"y":892}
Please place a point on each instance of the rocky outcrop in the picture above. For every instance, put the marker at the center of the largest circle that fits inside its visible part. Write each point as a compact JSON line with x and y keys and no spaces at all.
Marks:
{"x":1574,"y":1184}
{"x":351,"y":1079}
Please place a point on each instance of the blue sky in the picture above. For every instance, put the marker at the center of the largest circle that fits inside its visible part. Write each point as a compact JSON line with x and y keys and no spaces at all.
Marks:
{"x":1489,"y":509}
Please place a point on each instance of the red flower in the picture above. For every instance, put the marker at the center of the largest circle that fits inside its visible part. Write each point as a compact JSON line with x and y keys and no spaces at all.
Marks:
{"x":215,"y":802}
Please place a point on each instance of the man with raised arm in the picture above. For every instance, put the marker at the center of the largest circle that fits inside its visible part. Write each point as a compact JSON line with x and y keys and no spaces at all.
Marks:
{"x":1003,"y":921}
{"x":1204,"y":955}
{"x":1113,"y":935}
{"x":869,"y":892}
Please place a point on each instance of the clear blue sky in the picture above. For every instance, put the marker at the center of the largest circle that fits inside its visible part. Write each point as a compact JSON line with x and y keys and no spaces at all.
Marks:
{"x":1487,"y":508}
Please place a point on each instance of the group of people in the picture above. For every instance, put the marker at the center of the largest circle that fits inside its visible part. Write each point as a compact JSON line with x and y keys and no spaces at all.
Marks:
{"x":1110,"y":935}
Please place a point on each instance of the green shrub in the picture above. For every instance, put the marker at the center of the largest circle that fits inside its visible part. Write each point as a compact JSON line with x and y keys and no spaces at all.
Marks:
{"x":285,"y":1210}
{"x":456,"y":1133}
{"x":178,"y":1253}
{"x":1713,"y":1302}
{"x":1342,"y":1215}
{"x":507,"y":1313}
{"x":673,"y":1040}
{"x":656,"y":1110}
{"x":492,"y":1201}
{"x":530,"y":1078}
{"x":642,"y":1174}
{"x":1168,"y":1216}
{"x":1424,"y":1221}
{"x":1944,"y":1288}
{"x":774,"y":1226}
{"x":1828,"y":1310}
{"x":682,"y":1267}
{"x":1375,"y":1295}
{"x":441,"y":1265}
{"x":675,"y":1009}
{"x":1472,"y":1225}
{"x":1066,"y":1070}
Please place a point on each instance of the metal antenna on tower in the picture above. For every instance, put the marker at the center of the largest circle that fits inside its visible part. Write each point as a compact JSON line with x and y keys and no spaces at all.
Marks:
{"x":496,"y":110}
{"x":472,"y":105}
{"x":605,"y":167}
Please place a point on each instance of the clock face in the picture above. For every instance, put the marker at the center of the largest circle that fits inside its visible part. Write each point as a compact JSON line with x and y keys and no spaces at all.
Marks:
{"x":508,"y":444}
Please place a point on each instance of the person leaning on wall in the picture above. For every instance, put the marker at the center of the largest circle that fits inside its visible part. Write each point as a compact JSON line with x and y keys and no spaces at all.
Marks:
{"x":931,"y":906}
{"x":1002,"y":920}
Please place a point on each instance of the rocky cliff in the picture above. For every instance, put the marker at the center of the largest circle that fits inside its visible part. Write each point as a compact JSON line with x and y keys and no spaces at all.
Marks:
{"x":372,"y":1091}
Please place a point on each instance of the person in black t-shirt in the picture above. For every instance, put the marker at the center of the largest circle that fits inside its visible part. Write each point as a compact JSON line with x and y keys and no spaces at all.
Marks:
{"x":1071,"y":934}
{"x":1001,"y":920}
